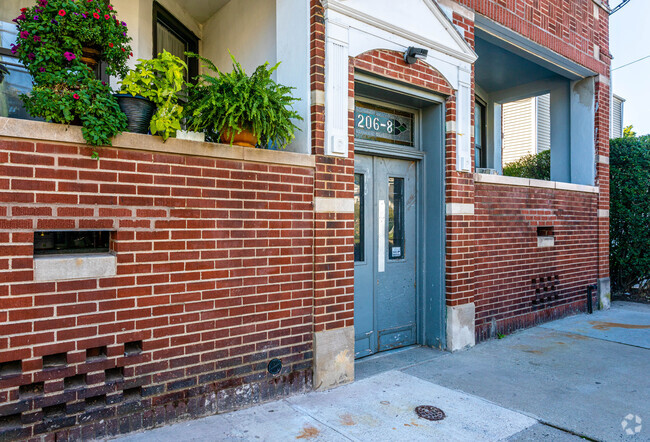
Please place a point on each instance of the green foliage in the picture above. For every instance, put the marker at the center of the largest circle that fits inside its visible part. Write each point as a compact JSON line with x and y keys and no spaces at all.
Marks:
{"x":628,"y":132}
{"x":235,"y":101}
{"x":629,"y":222}
{"x":51,"y":35}
{"x":91,"y":103}
{"x":159,"y":80}
{"x":531,"y":166}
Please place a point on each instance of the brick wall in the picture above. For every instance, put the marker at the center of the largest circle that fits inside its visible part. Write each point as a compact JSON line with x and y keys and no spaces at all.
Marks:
{"x":334,"y":178}
{"x":519,"y":284}
{"x":568,"y":27}
{"x":214,"y":278}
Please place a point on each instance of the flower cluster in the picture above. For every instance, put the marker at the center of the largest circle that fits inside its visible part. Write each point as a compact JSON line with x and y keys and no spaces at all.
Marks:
{"x":52,"y":38}
{"x":51,"y":30}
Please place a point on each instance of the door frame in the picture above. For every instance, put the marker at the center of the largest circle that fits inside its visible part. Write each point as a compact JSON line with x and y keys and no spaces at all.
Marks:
{"x":429,"y":156}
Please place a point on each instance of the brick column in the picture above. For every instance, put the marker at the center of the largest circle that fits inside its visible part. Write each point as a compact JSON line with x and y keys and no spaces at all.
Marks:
{"x":602,"y":181}
{"x":333,"y":235}
{"x":459,"y":198}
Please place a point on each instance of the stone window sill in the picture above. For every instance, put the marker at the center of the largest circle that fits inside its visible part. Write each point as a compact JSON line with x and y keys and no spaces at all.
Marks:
{"x":526,"y":182}
{"x":74,"y":266}
{"x":60,"y":133}
{"x":545,"y":241}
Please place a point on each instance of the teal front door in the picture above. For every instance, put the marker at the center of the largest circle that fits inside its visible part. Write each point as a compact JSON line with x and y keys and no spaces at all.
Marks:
{"x":384,"y":253}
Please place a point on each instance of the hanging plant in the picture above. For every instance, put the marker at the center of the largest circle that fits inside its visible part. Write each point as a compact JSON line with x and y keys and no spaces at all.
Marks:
{"x":54,"y":39}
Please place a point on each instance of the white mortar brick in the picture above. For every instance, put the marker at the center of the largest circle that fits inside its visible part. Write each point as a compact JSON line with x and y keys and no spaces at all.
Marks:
{"x":460,"y":209}
{"x":336,"y":205}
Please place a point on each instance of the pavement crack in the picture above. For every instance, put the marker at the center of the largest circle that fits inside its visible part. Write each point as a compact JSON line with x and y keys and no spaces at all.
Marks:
{"x":566,"y":430}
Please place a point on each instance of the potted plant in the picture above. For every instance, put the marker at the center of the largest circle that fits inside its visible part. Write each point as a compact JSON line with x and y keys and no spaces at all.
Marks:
{"x":51,"y":39}
{"x":239,"y":109}
{"x":154,"y":85}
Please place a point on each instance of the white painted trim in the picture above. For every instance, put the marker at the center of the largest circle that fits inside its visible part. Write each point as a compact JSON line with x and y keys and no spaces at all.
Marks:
{"x":527,"y":182}
{"x":77,"y":266}
{"x":459,"y":209}
{"x":333,"y":205}
{"x":468,"y":55}
{"x":459,"y":9}
{"x":336,"y":89}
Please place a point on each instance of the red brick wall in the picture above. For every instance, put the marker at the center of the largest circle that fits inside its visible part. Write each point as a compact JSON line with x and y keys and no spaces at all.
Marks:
{"x":567,"y":27}
{"x":333,"y":232}
{"x":517,"y":283}
{"x":214,"y":276}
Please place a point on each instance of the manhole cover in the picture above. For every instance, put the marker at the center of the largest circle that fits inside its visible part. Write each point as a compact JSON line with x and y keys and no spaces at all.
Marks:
{"x":429,"y":412}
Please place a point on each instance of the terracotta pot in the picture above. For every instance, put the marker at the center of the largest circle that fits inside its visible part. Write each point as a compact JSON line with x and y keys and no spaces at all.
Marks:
{"x":244,"y":138}
{"x":91,"y":57}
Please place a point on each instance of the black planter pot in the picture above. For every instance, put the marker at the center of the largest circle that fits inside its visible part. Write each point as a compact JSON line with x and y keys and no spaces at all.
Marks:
{"x":138,"y":112}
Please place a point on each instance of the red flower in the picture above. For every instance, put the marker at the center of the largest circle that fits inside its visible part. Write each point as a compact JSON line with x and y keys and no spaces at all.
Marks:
{"x":76,"y":96}
{"x":96,"y":15}
{"x":106,"y":16}
{"x":62,"y":13}
{"x":123,"y":50}
{"x":131,"y":54}
{"x":23,"y":9}
{"x":110,"y":45}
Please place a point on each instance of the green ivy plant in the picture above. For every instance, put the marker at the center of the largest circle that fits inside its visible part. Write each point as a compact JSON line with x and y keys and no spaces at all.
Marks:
{"x":235,"y":101}
{"x":51,"y":35}
{"x":160,"y":80}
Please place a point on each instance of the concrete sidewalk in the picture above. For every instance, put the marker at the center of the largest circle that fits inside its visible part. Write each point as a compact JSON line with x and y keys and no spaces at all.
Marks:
{"x":579,"y":376}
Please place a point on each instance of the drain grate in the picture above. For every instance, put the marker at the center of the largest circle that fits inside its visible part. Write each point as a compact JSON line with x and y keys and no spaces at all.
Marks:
{"x":429,"y":412}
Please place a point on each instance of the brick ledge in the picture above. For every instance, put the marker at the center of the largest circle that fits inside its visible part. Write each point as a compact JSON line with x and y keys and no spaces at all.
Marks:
{"x":526,"y":182}
{"x":60,"y":133}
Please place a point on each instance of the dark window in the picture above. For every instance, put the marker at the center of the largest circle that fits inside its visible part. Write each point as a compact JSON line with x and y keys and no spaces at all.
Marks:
{"x":174,"y":37}
{"x":395,"y":218}
{"x":53,"y":243}
{"x":479,"y":135}
{"x":359,"y":218}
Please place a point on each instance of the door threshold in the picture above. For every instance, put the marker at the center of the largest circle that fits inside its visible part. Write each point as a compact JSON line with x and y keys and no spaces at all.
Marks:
{"x":396,"y":359}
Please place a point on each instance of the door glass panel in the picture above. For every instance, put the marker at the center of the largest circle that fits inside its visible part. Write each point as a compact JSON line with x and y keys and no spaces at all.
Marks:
{"x":359,"y":218}
{"x":395,"y":218}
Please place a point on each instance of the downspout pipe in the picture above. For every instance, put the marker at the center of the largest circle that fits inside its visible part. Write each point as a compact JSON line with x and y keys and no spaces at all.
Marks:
{"x":590,"y":290}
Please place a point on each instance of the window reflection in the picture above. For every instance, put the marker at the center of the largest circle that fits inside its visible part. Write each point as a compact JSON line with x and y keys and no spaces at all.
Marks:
{"x":395,"y":218}
{"x":17,"y":82}
{"x":359,"y":217}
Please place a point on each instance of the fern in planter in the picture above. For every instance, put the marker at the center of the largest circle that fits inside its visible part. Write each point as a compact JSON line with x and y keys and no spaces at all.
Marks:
{"x":234,"y":102}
